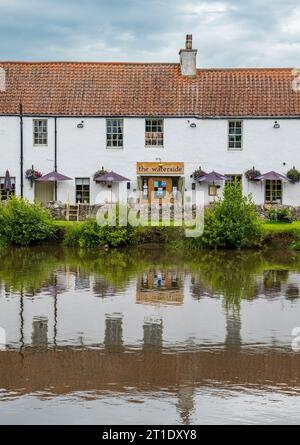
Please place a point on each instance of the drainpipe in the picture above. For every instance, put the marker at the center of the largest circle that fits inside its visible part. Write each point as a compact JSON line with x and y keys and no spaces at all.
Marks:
{"x":21,"y":152}
{"x":55,"y":155}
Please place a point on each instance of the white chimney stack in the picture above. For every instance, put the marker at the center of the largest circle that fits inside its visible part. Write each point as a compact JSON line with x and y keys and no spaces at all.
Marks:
{"x":188,"y":58}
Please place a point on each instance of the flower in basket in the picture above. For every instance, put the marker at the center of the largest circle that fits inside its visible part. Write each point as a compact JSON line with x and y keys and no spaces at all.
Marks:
{"x":294,"y":175}
{"x":198,"y":173}
{"x":252,"y":174}
{"x":32,"y":174}
{"x":100,"y":173}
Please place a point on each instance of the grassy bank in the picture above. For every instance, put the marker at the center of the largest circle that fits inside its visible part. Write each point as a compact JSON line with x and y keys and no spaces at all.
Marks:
{"x":232,"y":223}
{"x":275,"y":227}
{"x":278,"y":235}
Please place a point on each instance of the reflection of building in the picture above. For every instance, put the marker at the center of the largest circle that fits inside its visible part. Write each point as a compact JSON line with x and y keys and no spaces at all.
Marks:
{"x":185,"y":404}
{"x":153,"y":333}
{"x":40,"y":332}
{"x":113,"y":331}
{"x":233,"y":339}
{"x":161,"y":286}
{"x":102,"y":289}
{"x":82,"y":280}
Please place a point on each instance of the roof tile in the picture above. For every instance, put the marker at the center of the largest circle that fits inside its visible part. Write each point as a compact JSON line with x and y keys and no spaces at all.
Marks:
{"x":137,"y":89}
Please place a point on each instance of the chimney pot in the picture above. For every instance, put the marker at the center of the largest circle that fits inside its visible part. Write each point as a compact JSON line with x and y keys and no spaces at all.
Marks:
{"x":189,"y":41}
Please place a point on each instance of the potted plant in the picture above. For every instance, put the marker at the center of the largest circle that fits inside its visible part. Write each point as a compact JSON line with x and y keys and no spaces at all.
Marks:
{"x":32,"y":175}
{"x":252,"y":174}
{"x":100,"y":173}
{"x":198,"y":173}
{"x":294,"y":175}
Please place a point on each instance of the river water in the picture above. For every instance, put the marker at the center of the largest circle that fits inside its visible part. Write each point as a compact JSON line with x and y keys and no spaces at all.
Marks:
{"x":148,"y":336}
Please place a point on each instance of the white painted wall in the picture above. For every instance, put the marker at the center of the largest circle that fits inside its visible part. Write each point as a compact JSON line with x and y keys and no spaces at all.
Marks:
{"x":81,"y":152}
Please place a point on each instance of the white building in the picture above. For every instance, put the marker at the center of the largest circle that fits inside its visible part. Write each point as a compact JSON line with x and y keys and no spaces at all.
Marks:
{"x":76,"y":118}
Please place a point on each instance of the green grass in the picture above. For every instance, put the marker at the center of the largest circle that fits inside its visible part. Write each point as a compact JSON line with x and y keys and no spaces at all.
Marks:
{"x":268,"y":226}
{"x":61,"y":224}
{"x":273,"y":227}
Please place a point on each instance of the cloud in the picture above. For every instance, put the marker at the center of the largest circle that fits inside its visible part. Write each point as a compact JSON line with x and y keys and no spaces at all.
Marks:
{"x":227,"y":33}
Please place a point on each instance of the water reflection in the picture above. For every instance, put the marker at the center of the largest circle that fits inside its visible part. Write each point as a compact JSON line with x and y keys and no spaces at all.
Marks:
{"x":161,"y":286}
{"x":147,"y":321}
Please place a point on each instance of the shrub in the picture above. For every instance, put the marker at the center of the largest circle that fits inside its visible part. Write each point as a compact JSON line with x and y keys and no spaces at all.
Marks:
{"x":280,"y":215}
{"x":23,"y":223}
{"x":90,"y":234}
{"x":232,"y":222}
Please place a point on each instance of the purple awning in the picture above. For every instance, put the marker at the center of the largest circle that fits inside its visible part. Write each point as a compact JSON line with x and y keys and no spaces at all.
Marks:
{"x":111,"y":177}
{"x":272,"y":176}
{"x":212,"y":177}
{"x":7,"y":182}
{"x":54,"y":177}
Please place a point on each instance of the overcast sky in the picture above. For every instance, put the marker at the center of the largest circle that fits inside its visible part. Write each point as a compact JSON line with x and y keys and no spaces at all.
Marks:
{"x":227,"y":33}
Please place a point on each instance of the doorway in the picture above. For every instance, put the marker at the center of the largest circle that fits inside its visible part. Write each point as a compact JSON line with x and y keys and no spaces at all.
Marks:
{"x":160,"y":190}
{"x":44,"y":192}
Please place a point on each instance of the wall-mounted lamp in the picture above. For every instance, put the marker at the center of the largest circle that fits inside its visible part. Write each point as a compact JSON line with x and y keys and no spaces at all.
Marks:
{"x":160,"y":162}
{"x":81,"y":125}
{"x":276,"y":125}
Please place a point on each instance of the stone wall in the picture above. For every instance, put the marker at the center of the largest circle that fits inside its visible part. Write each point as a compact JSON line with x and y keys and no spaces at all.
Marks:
{"x":58,"y":210}
{"x":264,"y":209}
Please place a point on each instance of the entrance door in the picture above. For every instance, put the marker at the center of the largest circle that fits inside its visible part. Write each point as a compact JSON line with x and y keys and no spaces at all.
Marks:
{"x":44,"y":192}
{"x":160,"y":190}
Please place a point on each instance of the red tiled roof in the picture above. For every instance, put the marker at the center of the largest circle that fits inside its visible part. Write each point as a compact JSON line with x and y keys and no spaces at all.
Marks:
{"x":137,"y":89}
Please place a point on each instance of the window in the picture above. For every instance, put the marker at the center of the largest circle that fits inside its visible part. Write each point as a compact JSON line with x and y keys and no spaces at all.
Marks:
{"x":114,"y":133}
{"x":212,"y":190}
{"x":154,"y":136}
{"x":83,"y":190}
{"x":3,"y":193}
{"x":232,"y":178}
{"x":273,"y":192}
{"x":40,"y":132}
{"x":235,"y":135}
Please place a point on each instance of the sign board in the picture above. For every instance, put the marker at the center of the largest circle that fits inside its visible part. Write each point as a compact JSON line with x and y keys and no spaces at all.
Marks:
{"x":160,"y":168}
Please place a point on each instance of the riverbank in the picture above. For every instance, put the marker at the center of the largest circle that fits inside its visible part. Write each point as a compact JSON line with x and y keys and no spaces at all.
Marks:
{"x":277,"y":235}
{"x":231,"y":223}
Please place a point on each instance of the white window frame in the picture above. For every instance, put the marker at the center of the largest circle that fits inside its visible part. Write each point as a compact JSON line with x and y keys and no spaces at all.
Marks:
{"x":34,"y":133}
{"x":163,"y":132}
{"x":120,"y":125}
{"x":235,"y":135}
{"x":82,"y":184}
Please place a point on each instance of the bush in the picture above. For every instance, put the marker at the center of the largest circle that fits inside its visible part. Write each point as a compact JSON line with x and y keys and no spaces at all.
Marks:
{"x":280,"y":215}
{"x":232,"y":222}
{"x":23,"y":223}
{"x":90,"y":234}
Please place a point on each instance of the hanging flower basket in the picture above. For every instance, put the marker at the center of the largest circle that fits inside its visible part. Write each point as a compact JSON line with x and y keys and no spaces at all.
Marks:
{"x":100,"y":173}
{"x":252,"y":174}
{"x":32,"y":175}
{"x":198,"y":173}
{"x":294,"y":175}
